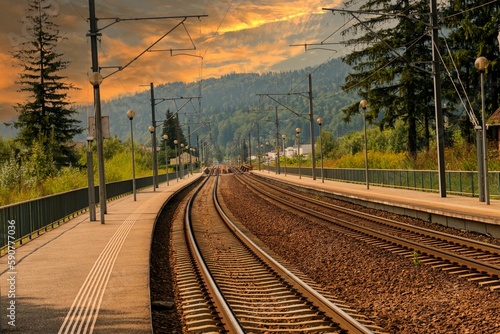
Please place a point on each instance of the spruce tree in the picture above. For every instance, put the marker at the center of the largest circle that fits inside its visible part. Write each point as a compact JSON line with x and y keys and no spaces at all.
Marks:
{"x":46,"y":116}
{"x":388,"y":68}
{"x":473,"y":27}
{"x":171,"y":127}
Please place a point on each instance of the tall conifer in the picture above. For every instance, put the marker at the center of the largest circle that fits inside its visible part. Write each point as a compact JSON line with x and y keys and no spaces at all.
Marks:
{"x":389,"y":66}
{"x":46,"y":116}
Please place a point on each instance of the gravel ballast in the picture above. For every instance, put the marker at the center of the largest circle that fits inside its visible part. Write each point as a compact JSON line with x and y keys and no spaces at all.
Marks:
{"x":390,"y":289}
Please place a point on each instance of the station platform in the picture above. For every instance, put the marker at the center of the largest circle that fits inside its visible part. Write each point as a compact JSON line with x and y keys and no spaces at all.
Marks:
{"x":460,"y":212}
{"x":84,"y":276}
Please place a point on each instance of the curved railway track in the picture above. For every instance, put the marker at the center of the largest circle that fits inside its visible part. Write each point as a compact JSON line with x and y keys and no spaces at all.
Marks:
{"x":474,"y":260}
{"x":228,"y":283}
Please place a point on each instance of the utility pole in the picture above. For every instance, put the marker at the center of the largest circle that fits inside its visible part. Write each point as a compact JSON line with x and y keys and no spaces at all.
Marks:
{"x":311,"y":124}
{"x":93,"y":33}
{"x":437,"y":99}
{"x":153,"y":139}
{"x":250,"y":148}
{"x":277,"y":146}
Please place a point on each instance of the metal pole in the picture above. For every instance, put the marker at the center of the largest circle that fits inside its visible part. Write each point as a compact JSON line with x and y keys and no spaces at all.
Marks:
{"x":480,"y":162}
{"x":189,"y":151}
{"x":298,"y":152}
{"x":90,"y":175}
{"x":258,"y":144}
{"x":485,"y":152}
{"x":321,"y":154}
{"x":366,"y":150}
{"x":181,"y":164}
{"x":133,"y":160}
{"x":153,"y":143}
{"x":250,"y":148}
{"x":284,"y":152}
{"x":97,"y":106}
{"x":437,"y":99}
{"x":166,"y":159}
{"x":177,"y":158}
{"x":311,"y":124}
{"x":277,"y":143}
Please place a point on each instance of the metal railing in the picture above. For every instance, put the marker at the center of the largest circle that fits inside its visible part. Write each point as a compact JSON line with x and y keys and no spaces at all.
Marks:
{"x":21,"y":222}
{"x":463,"y":183}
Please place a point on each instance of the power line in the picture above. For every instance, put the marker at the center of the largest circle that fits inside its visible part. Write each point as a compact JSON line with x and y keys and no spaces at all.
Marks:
{"x":470,"y":9}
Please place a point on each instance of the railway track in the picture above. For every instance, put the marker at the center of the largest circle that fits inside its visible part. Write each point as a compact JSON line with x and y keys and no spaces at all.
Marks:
{"x":228,"y":283}
{"x":474,"y":260}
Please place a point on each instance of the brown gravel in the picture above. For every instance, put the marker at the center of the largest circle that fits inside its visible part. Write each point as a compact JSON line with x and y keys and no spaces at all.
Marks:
{"x":390,"y":289}
{"x":162,"y":284}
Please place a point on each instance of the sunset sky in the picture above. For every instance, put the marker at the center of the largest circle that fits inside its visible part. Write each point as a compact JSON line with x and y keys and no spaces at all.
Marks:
{"x":237,"y":36}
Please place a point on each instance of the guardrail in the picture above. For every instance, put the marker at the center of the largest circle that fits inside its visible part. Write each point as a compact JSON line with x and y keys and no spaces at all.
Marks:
{"x":24,"y":221}
{"x":463,"y":183}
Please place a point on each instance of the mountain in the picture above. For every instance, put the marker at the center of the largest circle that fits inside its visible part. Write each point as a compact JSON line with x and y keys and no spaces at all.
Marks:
{"x":236,"y":105}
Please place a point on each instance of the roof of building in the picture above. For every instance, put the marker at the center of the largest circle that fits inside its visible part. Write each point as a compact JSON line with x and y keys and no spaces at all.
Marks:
{"x":494,"y":119}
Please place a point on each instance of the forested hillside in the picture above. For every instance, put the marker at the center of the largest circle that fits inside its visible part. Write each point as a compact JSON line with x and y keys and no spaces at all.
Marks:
{"x":235,"y":105}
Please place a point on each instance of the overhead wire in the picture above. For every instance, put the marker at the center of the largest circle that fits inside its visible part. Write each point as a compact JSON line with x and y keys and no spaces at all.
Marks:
{"x":470,"y":9}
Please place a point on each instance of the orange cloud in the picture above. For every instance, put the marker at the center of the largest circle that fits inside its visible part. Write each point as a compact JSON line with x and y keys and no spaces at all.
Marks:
{"x":248,"y":36}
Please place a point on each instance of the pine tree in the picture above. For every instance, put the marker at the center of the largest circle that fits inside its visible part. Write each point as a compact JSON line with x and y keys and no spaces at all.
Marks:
{"x":384,"y":70}
{"x":171,"y":127}
{"x":46,"y":116}
{"x":473,"y":27}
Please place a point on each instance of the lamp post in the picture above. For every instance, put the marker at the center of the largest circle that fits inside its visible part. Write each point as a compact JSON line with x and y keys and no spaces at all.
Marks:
{"x":297,"y":130}
{"x":153,"y":149}
{"x":90,"y":176}
{"x":165,"y":138}
{"x":283,"y":137}
{"x":131,"y":115}
{"x":363,"y":104}
{"x":320,"y":122}
{"x":176,"y":143}
{"x":95,"y":79}
{"x":481,"y":64}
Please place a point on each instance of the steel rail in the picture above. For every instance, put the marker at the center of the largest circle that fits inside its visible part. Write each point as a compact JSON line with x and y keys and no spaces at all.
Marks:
{"x":225,"y":312}
{"x":345,"y":320}
{"x":485,"y":247}
{"x":473,"y":264}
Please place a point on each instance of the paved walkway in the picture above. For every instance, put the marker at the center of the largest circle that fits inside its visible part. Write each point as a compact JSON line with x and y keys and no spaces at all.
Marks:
{"x":451,"y":205}
{"x":84,"y":276}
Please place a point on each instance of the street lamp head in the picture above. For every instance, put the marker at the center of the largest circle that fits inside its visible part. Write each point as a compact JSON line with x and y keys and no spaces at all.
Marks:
{"x":176,"y":142}
{"x":165,"y":137}
{"x":363,"y":104}
{"x":319,"y":121}
{"x":130,"y":114}
{"x":151,"y":129}
{"x":481,"y":64}
{"x":283,"y":136}
{"x":267,"y":143}
{"x":95,"y":78}
{"x":297,"y":130}
{"x":182,"y":145}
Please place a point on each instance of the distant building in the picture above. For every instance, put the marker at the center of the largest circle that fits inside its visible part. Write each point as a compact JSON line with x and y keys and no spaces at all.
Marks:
{"x":184,"y":159}
{"x":494,"y":121}
{"x":290,"y":151}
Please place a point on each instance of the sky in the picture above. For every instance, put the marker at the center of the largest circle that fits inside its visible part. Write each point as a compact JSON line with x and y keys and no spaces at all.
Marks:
{"x":237,"y":36}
